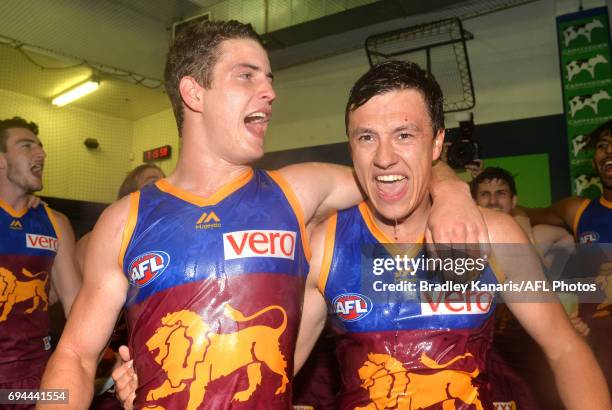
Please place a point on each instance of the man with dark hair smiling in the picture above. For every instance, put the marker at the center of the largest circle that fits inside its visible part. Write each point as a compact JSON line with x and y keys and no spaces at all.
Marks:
{"x":591,"y":222}
{"x":411,"y":349}
{"x":495,"y":188}
{"x":210,"y":263}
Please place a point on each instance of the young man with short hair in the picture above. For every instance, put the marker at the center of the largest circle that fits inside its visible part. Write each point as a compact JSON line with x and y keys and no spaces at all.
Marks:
{"x":210,"y":263}
{"x":36,"y":255}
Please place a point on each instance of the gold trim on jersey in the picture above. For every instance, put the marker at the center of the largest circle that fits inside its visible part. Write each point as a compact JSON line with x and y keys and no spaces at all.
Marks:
{"x":213,"y":199}
{"x":53,"y":220}
{"x":328,"y":253}
{"x":9,"y":210}
{"x":579,"y":213}
{"x":130,"y":225}
{"x":296,"y":206}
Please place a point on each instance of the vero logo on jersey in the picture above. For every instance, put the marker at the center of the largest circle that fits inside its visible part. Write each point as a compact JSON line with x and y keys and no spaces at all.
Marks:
{"x":148,"y":266}
{"x":455,"y":303}
{"x":259,"y":243}
{"x":48,"y":243}
{"x":350,"y":307}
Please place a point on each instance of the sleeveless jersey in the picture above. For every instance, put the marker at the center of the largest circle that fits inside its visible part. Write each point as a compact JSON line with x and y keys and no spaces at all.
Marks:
{"x":401,"y":349}
{"x":593,"y":225}
{"x":594,"y":222}
{"x":27,"y":250}
{"x":215,"y":295}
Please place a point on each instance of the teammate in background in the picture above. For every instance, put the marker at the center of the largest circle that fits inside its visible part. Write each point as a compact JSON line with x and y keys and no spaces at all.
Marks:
{"x":139,"y":177}
{"x":516,"y":363}
{"x":210,"y":263}
{"x":591,"y":222}
{"x":495,"y":188}
{"x":395,"y":352}
{"x":104,"y":399}
{"x":36,"y":254}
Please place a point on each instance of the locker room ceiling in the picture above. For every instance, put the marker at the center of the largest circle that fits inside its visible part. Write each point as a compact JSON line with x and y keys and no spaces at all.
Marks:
{"x":132,"y":36}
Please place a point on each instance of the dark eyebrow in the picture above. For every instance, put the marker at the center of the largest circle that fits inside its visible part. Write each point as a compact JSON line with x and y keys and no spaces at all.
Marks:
{"x":26,"y":139}
{"x":254,"y":68}
{"x":408,"y":127}
{"x":361,"y":130}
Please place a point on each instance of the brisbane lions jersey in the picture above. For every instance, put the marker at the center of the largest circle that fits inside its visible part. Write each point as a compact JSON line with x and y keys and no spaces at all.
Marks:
{"x":215,"y":293}
{"x":594,"y":221}
{"x":27,"y":250}
{"x":593,"y":225}
{"x":401,"y":349}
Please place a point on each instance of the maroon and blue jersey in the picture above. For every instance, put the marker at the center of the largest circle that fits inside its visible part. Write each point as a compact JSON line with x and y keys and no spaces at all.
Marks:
{"x":27,"y":250}
{"x":593,"y":222}
{"x":215,"y":293}
{"x":592,"y":227}
{"x":401,"y":349}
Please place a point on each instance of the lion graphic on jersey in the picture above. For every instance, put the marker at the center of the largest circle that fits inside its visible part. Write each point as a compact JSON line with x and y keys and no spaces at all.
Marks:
{"x":14,"y":291}
{"x":191,"y":353}
{"x":391,"y":386}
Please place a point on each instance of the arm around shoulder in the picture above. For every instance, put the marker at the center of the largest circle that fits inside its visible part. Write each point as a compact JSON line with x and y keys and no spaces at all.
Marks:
{"x":562,"y":213}
{"x":454,"y":217}
{"x":322,"y":188}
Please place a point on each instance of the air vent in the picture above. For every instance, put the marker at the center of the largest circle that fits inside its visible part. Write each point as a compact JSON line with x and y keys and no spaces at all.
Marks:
{"x":179,"y":26}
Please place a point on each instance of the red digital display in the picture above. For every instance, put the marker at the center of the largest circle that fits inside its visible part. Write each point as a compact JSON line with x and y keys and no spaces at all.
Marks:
{"x":157,"y":154}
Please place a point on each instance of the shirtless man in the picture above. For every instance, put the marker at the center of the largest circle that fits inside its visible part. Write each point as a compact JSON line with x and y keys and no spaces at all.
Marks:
{"x":216,"y":246}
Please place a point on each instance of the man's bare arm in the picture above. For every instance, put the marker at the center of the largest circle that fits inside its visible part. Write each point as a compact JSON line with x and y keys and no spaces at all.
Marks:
{"x":314,"y":312}
{"x":454,"y":216}
{"x":81,"y":249}
{"x":65,"y":274}
{"x":324,"y":188}
{"x":561,"y":213}
{"x":73,"y":364}
{"x":579,"y":379}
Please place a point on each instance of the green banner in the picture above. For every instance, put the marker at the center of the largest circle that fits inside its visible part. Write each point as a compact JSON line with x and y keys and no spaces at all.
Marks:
{"x":584,"y":52}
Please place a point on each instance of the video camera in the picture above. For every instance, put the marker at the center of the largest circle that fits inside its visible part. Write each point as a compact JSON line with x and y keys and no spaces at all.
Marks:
{"x":463,"y":150}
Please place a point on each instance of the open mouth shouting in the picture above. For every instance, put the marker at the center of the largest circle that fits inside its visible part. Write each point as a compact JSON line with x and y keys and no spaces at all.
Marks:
{"x":37,"y":170}
{"x":257,"y":122}
{"x":606,"y":167}
{"x":391,"y":187}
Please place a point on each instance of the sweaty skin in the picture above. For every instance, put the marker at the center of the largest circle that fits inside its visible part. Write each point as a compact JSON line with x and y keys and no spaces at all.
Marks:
{"x":220,"y":139}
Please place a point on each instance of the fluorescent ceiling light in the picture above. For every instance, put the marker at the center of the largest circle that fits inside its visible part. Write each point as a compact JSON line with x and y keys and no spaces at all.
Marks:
{"x":76,"y":93}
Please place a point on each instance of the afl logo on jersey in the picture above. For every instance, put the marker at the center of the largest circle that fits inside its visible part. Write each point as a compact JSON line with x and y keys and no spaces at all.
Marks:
{"x":589,"y":237}
{"x":145,"y":268}
{"x":350,"y":307}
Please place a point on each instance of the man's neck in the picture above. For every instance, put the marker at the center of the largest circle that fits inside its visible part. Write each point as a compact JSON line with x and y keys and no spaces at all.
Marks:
{"x":201,"y":171}
{"x":205,"y":179}
{"x":409,"y":229}
{"x":607,"y":194}
{"x":13,"y":196}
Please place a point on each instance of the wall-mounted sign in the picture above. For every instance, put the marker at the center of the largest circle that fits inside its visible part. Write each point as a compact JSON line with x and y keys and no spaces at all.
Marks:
{"x":586,"y":78}
{"x":157,"y":154}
